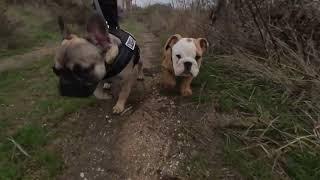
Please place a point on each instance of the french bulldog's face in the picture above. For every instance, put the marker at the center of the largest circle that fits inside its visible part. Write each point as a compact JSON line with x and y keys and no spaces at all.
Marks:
{"x":80,"y":58}
{"x":80,"y":62}
{"x":186,"y":55}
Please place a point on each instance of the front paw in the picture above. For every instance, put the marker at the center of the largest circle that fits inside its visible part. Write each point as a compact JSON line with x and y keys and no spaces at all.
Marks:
{"x":186,"y":92}
{"x":117,"y":109}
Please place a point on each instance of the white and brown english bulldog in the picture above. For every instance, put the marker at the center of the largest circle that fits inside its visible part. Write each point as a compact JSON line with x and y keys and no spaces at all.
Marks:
{"x":182,"y":58}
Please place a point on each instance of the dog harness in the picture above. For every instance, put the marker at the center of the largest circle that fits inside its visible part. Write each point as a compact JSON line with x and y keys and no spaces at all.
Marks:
{"x":128,"y":50}
{"x":128,"y":47}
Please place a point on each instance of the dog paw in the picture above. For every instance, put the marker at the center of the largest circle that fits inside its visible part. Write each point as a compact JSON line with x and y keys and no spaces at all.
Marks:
{"x":117,"y":109}
{"x":186,"y":92}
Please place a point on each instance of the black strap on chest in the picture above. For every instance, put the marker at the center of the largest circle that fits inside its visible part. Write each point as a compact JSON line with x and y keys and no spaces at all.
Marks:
{"x":128,"y":50}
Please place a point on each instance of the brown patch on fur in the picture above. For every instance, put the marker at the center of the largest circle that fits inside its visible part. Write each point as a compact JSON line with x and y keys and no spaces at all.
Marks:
{"x":167,"y":54}
{"x":168,"y":80}
{"x":202,"y":46}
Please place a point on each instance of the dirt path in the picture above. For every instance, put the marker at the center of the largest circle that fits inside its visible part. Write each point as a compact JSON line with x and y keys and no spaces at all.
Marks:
{"x":18,"y":61}
{"x":152,"y":141}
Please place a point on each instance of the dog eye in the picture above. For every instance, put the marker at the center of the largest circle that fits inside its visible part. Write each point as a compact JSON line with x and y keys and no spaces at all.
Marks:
{"x":178,"y":56}
{"x":198,"y":57}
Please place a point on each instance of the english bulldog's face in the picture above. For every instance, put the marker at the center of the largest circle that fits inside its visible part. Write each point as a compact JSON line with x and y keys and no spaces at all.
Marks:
{"x":186,"y":54}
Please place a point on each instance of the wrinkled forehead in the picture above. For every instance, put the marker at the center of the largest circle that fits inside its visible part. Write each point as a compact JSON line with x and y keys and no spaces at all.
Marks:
{"x":82,"y":50}
{"x":185,"y":46}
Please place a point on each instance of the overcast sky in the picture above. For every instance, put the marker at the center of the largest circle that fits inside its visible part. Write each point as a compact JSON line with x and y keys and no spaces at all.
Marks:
{"x":146,"y":2}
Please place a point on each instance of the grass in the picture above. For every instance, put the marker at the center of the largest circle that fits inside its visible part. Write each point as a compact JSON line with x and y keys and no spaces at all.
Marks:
{"x":275,"y":138}
{"x":133,"y":27}
{"x":273,"y":112}
{"x":30,"y":106}
{"x":35,"y":27}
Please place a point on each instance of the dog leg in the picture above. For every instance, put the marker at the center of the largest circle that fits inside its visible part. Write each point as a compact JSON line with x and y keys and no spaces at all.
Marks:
{"x":168,"y":81}
{"x":140,"y":71}
{"x":101,"y":93}
{"x":123,"y":96}
{"x":186,"y":86}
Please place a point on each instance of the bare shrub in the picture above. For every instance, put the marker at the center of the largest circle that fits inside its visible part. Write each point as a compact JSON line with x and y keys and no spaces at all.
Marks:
{"x":163,"y":18}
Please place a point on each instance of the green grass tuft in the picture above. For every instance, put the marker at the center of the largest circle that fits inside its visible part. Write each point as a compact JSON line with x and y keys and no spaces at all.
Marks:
{"x":273,"y":119}
{"x":30,"y":102}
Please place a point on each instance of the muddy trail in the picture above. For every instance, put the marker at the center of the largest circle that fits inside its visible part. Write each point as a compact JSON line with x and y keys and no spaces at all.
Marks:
{"x":155,"y":139}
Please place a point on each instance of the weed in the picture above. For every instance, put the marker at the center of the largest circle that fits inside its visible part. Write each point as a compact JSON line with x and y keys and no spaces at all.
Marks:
{"x":32,"y":91}
{"x":271,"y":138}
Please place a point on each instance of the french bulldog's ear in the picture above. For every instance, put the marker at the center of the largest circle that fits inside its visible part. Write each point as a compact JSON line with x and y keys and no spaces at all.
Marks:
{"x":97,"y":31}
{"x":172,"y":41}
{"x":63,"y":29}
{"x":203,"y":44}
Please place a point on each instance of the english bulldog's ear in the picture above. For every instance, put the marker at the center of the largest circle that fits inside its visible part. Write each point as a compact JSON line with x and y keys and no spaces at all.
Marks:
{"x":172,"y":41}
{"x":203,"y":44}
{"x":97,"y":31}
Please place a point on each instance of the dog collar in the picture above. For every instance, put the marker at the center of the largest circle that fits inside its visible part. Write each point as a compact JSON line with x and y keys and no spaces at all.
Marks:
{"x":127,"y":50}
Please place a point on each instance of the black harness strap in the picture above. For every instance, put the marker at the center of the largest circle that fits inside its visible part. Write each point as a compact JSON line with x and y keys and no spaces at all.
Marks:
{"x":127,"y":50}
{"x":128,"y":47}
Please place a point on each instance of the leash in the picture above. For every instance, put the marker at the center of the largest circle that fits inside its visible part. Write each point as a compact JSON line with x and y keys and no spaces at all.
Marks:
{"x":98,"y":8}
{"x":127,"y":50}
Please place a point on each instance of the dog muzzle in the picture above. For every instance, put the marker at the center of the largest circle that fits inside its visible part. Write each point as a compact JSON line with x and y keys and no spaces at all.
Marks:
{"x":70,"y":86}
{"x":75,"y":88}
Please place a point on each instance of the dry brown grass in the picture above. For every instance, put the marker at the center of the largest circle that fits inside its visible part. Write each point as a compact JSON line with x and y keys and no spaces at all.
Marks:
{"x":163,"y":21}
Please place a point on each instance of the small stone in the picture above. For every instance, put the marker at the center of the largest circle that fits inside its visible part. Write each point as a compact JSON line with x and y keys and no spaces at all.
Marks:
{"x":82,"y":175}
{"x":110,"y":121}
{"x":107,"y":117}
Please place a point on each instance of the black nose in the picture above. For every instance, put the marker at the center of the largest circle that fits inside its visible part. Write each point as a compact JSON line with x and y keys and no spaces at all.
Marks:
{"x":187,"y":66}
